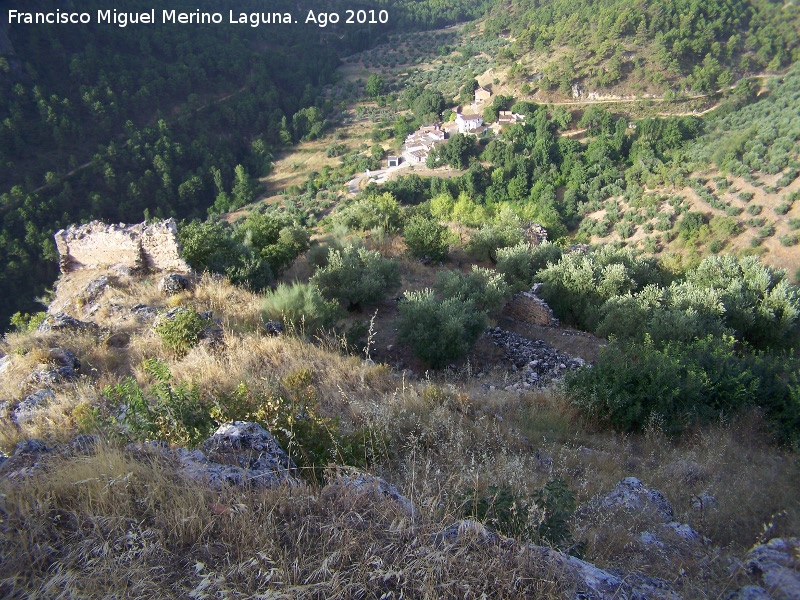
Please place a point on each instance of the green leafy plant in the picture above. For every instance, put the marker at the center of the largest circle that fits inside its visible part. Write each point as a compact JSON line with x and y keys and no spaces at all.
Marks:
{"x":181,"y":332}
{"x":165,"y":411}
{"x":356,"y":276}
{"x":426,"y":238}
{"x":300,"y":305}
{"x":439,"y":331}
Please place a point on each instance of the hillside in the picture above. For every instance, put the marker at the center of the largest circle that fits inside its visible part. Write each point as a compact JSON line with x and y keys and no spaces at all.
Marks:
{"x":526,"y":464}
{"x":494,"y":299}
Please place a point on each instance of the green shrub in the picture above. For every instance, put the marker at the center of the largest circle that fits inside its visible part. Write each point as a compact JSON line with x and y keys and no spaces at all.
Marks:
{"x":578,"y":284}
{"x":173,"y":413}
{"x":715,"y":246}
{"x":690,"y":224}
{"x":177,"y":414}
{"x":542,"y":518}
{"x":181,"y":332}
{"x":439,"y":331}
{"x":369,"y":213}
{"x":426,"y":238}
{"x":746,"y":196}
{"x":624,"y":229}
{"x":515,"y":264}
{"x":487,"y":290}
{"x":23,"y":322}
{"x":356,"y":276}
{"x":519,"y":264}
{"x":794,"y":223}
{"x":300,"y":305}
{"x":633,"y":385}
{"x":789,"y":239}
{"x":782,"y":208}
{"x":755,"y":209}
{"x":503,"y":232}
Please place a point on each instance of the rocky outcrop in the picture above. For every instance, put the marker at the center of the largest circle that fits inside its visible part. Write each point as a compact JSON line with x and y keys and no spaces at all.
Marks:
{"x":241,"y":454}
{"x":369,"y":485}
{"x":172,"y":283}
{"x":64,"y":322}
{"x":777,"y":564}
{"x":141,"y":246}
{"x":588,"y":582}
{"x":527,"y":307}
{"x":28,"y":407}
{"x":647,"y":515}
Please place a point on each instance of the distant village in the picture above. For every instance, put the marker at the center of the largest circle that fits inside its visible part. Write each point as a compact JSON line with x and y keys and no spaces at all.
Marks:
{"x":419,"y":144}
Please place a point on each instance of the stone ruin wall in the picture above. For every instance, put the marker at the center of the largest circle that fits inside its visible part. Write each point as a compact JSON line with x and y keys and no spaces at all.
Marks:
{"x":141,"y":246}
{"x":527,"y":307}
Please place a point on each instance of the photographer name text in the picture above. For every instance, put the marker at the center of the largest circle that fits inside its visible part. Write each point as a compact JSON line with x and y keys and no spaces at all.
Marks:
{"x":197,"y":17}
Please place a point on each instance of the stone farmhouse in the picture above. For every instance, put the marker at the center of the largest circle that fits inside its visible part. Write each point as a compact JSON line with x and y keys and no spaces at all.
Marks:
{"x":482,"y":95}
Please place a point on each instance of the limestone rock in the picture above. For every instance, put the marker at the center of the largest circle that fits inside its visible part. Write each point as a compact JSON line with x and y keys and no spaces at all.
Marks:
{"x":465,"y":528}
{"x":589,"y":581}
{"x":373,"y":486}
{"x":535,"y":362}
{"x":631,"y":494}
{"x":50,"y":377}
{"x":94,"y":289}
{"x":750,"y":592}
{"x":778,"y":564}
{"x":273,"y":327}
{"x":144,"y":312}
{"x":251,"y":449}
{"x":25,"y":459}
{"x":31,"y":404}
{"x":173,"y":283}
{"x":64,"y":358}
{"x":64,"y":322}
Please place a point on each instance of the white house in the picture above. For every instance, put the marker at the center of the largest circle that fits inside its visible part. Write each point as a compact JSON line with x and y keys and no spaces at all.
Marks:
{"x":467,"y":123}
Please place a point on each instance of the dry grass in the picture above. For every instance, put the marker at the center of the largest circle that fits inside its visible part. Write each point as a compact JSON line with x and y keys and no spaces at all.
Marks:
{"x":111,"y":525}
{"x":108,"y":525}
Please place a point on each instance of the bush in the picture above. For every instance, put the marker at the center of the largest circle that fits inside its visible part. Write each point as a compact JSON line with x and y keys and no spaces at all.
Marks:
{"x":439,"y":331}
{"x":504,"y":232}
{"x":177,"y":414}
{"x":369,"y":213}
{"x":755,"y":209}
{"x":181,"y":332}
{"x":782,"y":208}
{"x":578,"y":284}
{"x":486,"y":289}
{"x":624,"y":229}
{"x":356,"y":275}
{"x":426,"y":238}
{"x":173,"y":413}
{"x":541,"y":519}
{"x":789,"y":239}
{"x":746,"y":196}
{"x":636,"y":385}
{"x":23,"y":322}
{"x":300,"y":305}
{"x":519,"y":264}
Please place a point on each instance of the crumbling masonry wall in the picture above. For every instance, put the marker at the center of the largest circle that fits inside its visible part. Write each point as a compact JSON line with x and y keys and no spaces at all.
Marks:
{"x":141,"y":246}
{"x":527,"y":307}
